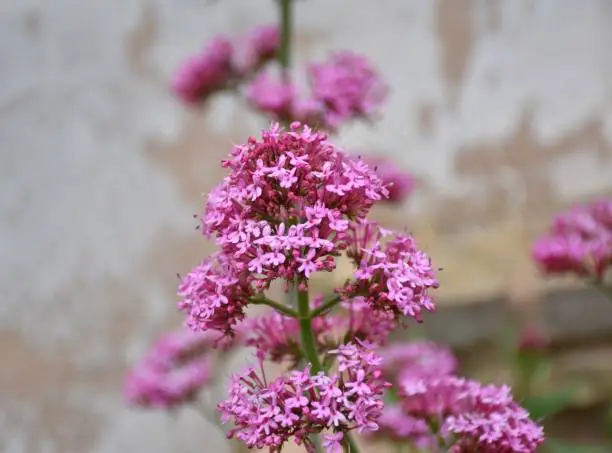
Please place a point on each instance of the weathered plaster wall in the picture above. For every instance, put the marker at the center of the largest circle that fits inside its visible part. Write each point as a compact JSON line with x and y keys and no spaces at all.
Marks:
{"x":503,"y":108}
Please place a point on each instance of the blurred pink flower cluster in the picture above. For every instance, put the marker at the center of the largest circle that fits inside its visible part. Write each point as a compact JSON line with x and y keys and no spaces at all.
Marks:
{"x":343,"y":88}
{"x":220,"y":65}
{"x":471,"y":417}
{"x":172,"y":372}
{"x":434,"y":407}
{"x":579,"y":242}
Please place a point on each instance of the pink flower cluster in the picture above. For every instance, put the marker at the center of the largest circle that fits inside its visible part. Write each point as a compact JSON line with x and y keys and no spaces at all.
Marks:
{"x":172,"y":372}
{"x":471,"y":416}
{"x":579,"y":242}
{"x":393,"y":276}
{"x":348,"y":86}
{"x":284,"y":212}
{"x":214,"y":295}
{"x":268,"y":414}
{"x":344,"y":88}
{"x":219,"y":65}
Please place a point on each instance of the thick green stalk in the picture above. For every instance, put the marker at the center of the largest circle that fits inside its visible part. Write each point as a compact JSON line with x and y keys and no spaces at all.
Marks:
{"x":310,"y":350}
{"x":308,"y":340}
{"x":284,"y":52}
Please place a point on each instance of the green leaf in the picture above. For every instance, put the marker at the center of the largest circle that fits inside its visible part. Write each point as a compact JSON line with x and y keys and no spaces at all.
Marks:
{"x":543,"y":406}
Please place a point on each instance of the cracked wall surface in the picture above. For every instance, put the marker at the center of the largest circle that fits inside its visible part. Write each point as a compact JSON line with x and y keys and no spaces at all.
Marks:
{"x":502,"y":108}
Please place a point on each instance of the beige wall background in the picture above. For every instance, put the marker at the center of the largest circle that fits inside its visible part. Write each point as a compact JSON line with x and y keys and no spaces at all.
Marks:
{"x":502,"y":108}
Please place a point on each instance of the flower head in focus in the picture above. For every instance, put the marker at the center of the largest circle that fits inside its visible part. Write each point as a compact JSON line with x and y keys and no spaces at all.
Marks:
{"x":284,"y":212}
{"x":579,"y":242}
{"x":214,"y":295}
{"x":172,"y":372}
{"x":294,"y":405}
{"x":392,"y":274}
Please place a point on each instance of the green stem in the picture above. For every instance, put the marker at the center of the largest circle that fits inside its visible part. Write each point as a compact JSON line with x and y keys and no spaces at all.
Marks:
{"x":284,"y":51}
{"x":308,"y":338}
{"x":310,"y":350}
{"x":262,"y":300}
{"x":323,"y":308}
